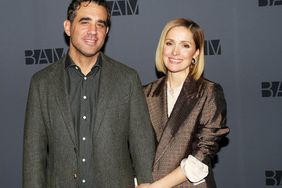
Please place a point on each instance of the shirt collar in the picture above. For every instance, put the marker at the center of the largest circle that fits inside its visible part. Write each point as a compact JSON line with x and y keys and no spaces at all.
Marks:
{"x":70,"y":63}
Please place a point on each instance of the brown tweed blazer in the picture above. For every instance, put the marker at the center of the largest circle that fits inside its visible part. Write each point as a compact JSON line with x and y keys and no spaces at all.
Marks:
{"x":195,"y":125}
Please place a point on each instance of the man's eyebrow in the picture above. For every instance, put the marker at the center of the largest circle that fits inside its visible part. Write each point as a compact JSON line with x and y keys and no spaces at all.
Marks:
{"x":88,"y":19}
{"x":102,"y":21}
{"x":84,"y":19}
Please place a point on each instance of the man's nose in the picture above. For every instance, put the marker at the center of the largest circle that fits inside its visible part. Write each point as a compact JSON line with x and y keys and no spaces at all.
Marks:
{"x":92,"y":29}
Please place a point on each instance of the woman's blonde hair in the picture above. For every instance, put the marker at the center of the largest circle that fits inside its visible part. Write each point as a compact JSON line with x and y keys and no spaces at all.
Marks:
{"x":199,"y":39}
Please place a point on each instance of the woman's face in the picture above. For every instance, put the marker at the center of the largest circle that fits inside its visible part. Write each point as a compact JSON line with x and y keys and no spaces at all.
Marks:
{"x":179,"y":49}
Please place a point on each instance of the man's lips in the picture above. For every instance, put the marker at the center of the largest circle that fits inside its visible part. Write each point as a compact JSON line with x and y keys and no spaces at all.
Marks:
{"x":90,"y":41}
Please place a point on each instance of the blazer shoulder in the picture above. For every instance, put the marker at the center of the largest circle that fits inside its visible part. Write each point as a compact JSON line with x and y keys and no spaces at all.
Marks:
{"x":213,"y":92}
{"x":117,"y":66}
{"x":155,"y":87}
{"x":49,"y":71}
{"x":211,"y":86}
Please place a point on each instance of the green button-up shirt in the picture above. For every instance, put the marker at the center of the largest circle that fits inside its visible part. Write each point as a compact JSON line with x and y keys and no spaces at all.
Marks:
{"x":83,"y":91}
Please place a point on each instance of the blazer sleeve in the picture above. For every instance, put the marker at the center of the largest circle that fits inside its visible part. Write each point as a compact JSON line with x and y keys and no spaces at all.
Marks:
{"x":212,"y":124}
{"x":35,"y":141}
{"x":141,"y":138}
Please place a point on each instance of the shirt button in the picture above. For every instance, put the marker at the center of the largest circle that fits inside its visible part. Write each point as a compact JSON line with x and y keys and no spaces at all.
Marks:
{"x":75,"y":176}
{"x":83,"y":160}
{"x":84,"y":97}
{"x":84,"y":117}
{"x":83,"y":138}
{"x":85,"y":78}
{"x":83,"y":181}
{"x":76,"y":67}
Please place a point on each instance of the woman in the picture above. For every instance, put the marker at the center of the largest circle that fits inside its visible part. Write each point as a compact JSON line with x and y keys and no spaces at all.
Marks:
{"x":187,"y":111}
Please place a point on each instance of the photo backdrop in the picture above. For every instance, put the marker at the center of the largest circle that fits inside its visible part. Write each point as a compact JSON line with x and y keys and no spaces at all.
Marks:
{"x":243,"y":53}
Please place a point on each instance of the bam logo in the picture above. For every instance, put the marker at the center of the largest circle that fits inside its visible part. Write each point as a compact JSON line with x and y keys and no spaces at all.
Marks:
{"x":273,"y":178}
{"x":263,"y":3}
{"x":123,"y":7}
{"x":43,"y":56}
{"x":271,"y":89}
{"x":212,"y":47}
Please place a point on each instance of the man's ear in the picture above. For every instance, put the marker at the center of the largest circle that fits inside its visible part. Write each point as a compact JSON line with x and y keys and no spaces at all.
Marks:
{"x":67,"y":25}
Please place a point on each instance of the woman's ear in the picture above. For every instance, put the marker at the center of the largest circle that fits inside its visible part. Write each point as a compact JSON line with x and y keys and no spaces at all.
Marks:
{"x":196,"y":54}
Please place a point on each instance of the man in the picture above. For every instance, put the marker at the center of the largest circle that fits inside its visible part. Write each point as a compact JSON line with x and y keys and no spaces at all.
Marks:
{"x":87,"y":123}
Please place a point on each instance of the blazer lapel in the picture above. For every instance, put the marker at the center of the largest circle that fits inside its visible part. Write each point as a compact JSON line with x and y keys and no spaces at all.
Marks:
{"x":159,"y":116}
{"x":182,"y":108}
{"x":60,"y":91}
{"x":158,"y":107}
{"x":105,"y":93}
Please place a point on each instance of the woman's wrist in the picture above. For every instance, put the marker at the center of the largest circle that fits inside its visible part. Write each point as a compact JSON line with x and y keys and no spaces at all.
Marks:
{"x":159,"y":184}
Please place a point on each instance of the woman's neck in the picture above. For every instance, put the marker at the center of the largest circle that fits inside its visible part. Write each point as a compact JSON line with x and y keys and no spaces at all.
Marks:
{"x":176,"y":80}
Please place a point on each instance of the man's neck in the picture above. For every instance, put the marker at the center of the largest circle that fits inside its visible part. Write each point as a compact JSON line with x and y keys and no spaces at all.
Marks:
{"x":84,"y":63}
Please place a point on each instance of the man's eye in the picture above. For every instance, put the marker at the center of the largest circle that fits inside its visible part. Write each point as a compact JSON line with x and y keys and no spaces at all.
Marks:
{"x":101,"y":25}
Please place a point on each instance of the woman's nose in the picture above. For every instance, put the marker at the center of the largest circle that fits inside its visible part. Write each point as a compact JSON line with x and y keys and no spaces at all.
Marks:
{"x":175,"y":50}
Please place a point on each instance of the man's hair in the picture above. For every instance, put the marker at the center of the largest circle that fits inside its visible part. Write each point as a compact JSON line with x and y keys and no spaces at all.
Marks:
{"x":75,"y":5}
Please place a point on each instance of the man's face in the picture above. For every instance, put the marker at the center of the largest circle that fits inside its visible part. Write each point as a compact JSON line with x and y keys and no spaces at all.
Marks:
{"x":88,"y":30}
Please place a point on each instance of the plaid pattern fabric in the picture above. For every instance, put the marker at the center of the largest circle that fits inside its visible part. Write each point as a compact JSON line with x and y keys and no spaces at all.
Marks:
{"x":194,"y":127}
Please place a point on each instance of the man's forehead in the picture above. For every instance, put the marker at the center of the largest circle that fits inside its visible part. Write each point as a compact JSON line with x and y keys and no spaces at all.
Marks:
{"x":91,"y":9}
{"x":87,"y":5}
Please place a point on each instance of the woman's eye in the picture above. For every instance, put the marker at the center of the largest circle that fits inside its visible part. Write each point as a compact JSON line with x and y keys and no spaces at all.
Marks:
{"x":168,"y":43}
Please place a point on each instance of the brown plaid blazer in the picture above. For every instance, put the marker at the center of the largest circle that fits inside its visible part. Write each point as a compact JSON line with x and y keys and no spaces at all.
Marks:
{"x":195,"y":125}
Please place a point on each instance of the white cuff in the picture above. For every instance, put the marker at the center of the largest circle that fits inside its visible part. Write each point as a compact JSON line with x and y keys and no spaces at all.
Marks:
{"x":194,"y":169}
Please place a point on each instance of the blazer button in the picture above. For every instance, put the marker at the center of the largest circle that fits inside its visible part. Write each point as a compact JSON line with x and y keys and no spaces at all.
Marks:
{"x":75,"y":176}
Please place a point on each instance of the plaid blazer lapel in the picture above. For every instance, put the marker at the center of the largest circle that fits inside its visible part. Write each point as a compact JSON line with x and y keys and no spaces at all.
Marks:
{"x":184,"y":105}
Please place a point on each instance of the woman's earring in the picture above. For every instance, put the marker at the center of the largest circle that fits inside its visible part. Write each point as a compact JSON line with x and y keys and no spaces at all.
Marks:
{"x":194,"y":61}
